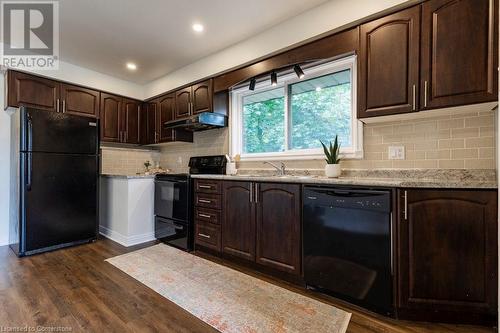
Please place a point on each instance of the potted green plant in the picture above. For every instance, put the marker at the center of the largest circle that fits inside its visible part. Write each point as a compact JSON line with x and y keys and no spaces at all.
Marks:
{"x":332,"y":158}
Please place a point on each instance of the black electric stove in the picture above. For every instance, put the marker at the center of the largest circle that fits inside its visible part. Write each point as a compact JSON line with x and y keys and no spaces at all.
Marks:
{"x":173,"y":201}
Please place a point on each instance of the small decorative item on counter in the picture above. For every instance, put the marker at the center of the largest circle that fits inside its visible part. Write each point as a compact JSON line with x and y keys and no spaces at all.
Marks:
{"x":332,"y":167}
{"x":147,"y":164}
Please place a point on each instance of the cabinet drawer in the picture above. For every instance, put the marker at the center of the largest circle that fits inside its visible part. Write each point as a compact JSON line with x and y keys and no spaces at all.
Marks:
{"x":208,"y":186}
{"x":208,"y":200}
{"x":207,"y":215}
{"x":208,"y":235}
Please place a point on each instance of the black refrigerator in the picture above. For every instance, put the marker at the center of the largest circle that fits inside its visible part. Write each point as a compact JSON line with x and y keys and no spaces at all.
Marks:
{"x":54,"y":181}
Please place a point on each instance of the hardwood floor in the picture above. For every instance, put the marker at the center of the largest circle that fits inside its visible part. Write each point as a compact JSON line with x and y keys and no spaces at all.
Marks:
{"x":76,"y":288}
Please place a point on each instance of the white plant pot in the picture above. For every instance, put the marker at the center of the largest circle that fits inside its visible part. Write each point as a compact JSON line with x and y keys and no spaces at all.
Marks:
{"x":332,"y":170}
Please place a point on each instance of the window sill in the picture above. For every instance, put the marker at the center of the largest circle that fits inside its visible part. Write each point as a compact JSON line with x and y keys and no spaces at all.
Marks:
{"x":297,"y":157}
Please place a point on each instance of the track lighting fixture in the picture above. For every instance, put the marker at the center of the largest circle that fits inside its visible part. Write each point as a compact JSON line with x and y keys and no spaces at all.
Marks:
{"x":252,"y":84}
{"x":274,"y":79}
{"x":298,"y":71}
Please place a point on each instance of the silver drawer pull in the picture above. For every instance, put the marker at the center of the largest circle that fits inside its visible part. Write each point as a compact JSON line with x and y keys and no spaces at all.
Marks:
{"x":205,"y":186}
{"x":204,"y":201}
{"x":205,"y":216}
{"x":204,"y":236}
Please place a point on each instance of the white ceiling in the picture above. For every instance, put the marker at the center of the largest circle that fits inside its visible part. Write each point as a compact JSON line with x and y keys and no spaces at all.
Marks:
{"x":157,"y":34}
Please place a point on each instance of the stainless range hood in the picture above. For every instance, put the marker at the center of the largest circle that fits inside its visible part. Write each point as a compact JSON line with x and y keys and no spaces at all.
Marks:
{"x":200,"y":122}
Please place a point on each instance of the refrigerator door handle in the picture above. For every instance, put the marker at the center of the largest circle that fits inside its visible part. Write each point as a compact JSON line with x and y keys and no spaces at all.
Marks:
{"x":29,"y":171}
{"x":29,"y":141}
{"x":29,"y":134}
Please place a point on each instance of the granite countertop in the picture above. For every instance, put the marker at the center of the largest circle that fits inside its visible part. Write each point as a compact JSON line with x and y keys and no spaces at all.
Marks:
{"x":403,"y":178}
{"x":140,"y":176}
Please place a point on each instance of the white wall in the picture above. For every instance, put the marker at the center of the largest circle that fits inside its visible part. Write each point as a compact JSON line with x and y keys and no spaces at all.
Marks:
{"x":319,"y":20}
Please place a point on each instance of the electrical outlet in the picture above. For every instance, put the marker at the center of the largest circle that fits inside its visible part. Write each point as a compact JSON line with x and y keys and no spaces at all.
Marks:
{"x":396,"y":152}
{"x":179,"y":160}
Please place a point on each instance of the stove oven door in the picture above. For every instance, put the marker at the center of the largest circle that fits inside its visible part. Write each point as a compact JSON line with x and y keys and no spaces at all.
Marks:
{"x":172,"y":199}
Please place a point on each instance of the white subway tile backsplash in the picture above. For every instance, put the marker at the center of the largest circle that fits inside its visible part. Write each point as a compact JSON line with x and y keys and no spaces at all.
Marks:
{"x":462,"y":140}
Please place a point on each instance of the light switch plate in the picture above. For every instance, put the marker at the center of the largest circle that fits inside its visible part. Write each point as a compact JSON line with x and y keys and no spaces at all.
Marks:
{"x":396,"y":152}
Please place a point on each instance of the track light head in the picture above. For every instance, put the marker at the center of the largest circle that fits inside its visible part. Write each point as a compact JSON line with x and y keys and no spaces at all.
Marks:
{"x":298,"y":71}
{"x":274,"y":79}
{"x":252,"y":84}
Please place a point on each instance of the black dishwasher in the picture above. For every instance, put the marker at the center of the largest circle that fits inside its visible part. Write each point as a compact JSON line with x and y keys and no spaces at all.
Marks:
{"x":348,"y":245}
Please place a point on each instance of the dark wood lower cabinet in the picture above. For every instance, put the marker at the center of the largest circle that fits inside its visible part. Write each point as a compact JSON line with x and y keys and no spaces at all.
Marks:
{"x":238,"y":225}
{"x":262,"y":224}
{"x":448,"y":256}
{"x":278,"y":226}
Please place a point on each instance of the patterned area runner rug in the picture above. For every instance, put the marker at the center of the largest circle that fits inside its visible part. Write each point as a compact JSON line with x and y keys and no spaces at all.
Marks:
{"x":226,"y":299}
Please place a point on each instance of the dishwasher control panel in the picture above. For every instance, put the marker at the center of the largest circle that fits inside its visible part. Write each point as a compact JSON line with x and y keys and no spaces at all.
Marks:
{"x":349,"y":198}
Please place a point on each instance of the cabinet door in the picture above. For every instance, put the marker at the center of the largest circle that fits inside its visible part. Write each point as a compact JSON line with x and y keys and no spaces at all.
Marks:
{"x":153,"y":134}
{"x":459,"y":52}
{"x":389,"y":64}
{"x":110,"y":117}
{"x":202,"y":97}
{"x":238,"y":224}
{"x":143,"y":124}
{"x":79,"y":101}
{"x":183,"y":103}
{"x":166,"y":110}
{"x":448,"y":253}
{"x":32,"y":91}
{"x":278,"y":227}
{"x":131,"y":120}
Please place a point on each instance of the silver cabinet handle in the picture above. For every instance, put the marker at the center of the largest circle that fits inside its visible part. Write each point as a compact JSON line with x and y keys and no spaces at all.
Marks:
{"x":256,"y":193}
{"x":251,"y":193}
{"x":425,"y":94}
{"x":205,"y":186}
{"x":406,"y":206}
{"x":204,"y":236}
{"x":204,"y":201}
{"x":64,"y":106}
{"x":57,"y":105}
{"x":414,"y":97}
{"x":205,"y":216}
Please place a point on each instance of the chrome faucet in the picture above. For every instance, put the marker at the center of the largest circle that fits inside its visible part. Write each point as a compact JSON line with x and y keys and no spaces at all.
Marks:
{"x":281,"y":168}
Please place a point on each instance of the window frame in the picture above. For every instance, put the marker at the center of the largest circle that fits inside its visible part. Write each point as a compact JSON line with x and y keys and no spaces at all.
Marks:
{"x":285,"y":81}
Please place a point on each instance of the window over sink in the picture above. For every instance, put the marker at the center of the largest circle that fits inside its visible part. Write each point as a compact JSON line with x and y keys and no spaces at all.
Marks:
{"x":288,"y":120}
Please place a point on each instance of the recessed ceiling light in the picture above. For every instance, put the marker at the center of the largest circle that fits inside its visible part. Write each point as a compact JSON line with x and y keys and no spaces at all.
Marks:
{"x":198,"y":27}
{"x":131,"y":66}
{"x":318,"y":88}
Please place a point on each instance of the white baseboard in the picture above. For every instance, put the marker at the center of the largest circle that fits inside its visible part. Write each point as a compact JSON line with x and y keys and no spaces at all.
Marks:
{"x":126,"y":240}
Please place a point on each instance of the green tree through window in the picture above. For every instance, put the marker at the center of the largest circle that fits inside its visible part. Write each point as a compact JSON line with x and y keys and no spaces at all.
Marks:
{"x":306,"y":111}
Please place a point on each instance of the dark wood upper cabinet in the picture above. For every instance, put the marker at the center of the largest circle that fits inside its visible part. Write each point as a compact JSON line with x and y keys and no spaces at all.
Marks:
{"x":79,"y":101}
{"x":110,"y":118}
{"x":448,"y":255}
{"x":183,"y":103}
{"x":459,"y":52}
{"x":202,"y":97}
{"x":32,"y":91}
{"x":152,"y":125}
{"x":130,"y":121}
{"x":166,"y":111}
{"x":143,"y":124}
{"x":238,"y":224}
{"x":278,"y":227}
{"x":389,"y":64}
